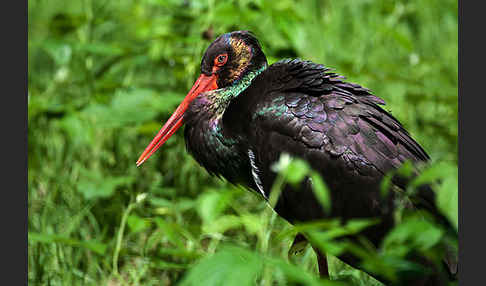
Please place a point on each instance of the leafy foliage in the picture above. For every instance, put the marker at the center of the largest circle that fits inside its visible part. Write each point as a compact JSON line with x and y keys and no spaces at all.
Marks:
{"x":104,"y":75}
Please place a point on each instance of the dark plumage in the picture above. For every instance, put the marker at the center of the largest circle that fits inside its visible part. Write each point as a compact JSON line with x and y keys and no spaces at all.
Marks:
{"x":239,"y":126}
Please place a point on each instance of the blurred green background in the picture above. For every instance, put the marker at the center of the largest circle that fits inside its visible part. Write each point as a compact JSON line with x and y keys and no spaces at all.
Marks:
{"x":104,"y":75}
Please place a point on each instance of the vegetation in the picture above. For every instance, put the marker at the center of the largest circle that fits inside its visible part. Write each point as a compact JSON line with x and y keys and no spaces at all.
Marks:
{"x":103,"y":77}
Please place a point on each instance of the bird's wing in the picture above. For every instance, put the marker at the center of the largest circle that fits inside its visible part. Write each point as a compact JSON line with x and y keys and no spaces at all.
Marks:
{"x":303,"y":109}
{"x":315,"y":107}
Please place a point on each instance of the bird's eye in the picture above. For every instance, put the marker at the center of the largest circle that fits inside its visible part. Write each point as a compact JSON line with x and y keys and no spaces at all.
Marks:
{"x":220,"y":60}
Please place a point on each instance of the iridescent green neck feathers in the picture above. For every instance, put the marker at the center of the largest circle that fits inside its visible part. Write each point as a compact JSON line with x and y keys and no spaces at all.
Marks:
{"x":219,"y":99}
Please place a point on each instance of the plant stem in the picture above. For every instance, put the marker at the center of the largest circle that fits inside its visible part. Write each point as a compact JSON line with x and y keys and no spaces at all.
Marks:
{"x":266,"y":231}
{"x":119,"y":238}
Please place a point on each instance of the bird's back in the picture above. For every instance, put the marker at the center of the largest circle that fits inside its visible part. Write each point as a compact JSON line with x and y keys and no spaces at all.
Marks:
{"x":301,"y":108}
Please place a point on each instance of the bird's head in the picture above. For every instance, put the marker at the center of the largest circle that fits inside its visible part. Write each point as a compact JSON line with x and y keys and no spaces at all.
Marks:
{"x":227,"y":60}
{"x":231,"y":56}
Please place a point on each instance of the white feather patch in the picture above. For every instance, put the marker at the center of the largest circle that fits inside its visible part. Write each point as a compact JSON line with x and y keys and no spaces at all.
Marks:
{"x":254,"y":172}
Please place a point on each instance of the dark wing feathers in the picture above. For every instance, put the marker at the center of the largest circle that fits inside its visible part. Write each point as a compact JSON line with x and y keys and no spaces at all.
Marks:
{"x":295,"y":74}
{"x":343,"y":120}
{"x":301,"y":108}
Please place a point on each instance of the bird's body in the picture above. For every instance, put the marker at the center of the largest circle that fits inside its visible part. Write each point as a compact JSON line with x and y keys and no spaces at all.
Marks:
{"x":241,"y":115}
{"x":337,"y":127}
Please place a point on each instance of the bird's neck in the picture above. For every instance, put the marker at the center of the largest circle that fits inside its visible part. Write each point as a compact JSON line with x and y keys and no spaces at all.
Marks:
{"x":206,"y":138}
{"x":206,"y":111}
{"x":219,"y":99}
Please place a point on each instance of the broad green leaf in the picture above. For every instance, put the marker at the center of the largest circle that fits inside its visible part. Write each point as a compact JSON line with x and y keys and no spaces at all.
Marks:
{"x":447,"y":199}
{"x":296,"y":171}
{"x":137,"y":224}
{"x":321,"y":191}
{"x":212,"y":204}
{"x":413,"y":233}
{"x":220,"y":268}
{"x":222,"y":224}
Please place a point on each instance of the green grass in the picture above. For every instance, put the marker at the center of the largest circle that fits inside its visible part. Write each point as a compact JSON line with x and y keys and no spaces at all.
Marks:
{"x":104,"y":75}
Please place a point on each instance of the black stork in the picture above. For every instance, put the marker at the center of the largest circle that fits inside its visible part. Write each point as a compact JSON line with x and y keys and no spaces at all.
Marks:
{"x":242,"y":114}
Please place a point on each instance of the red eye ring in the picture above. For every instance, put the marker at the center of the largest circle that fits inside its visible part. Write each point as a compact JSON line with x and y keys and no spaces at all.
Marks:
{"x":221,"y":60}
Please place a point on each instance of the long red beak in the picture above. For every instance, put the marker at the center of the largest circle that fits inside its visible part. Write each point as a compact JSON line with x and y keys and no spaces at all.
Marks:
{"x":202,"y":84}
